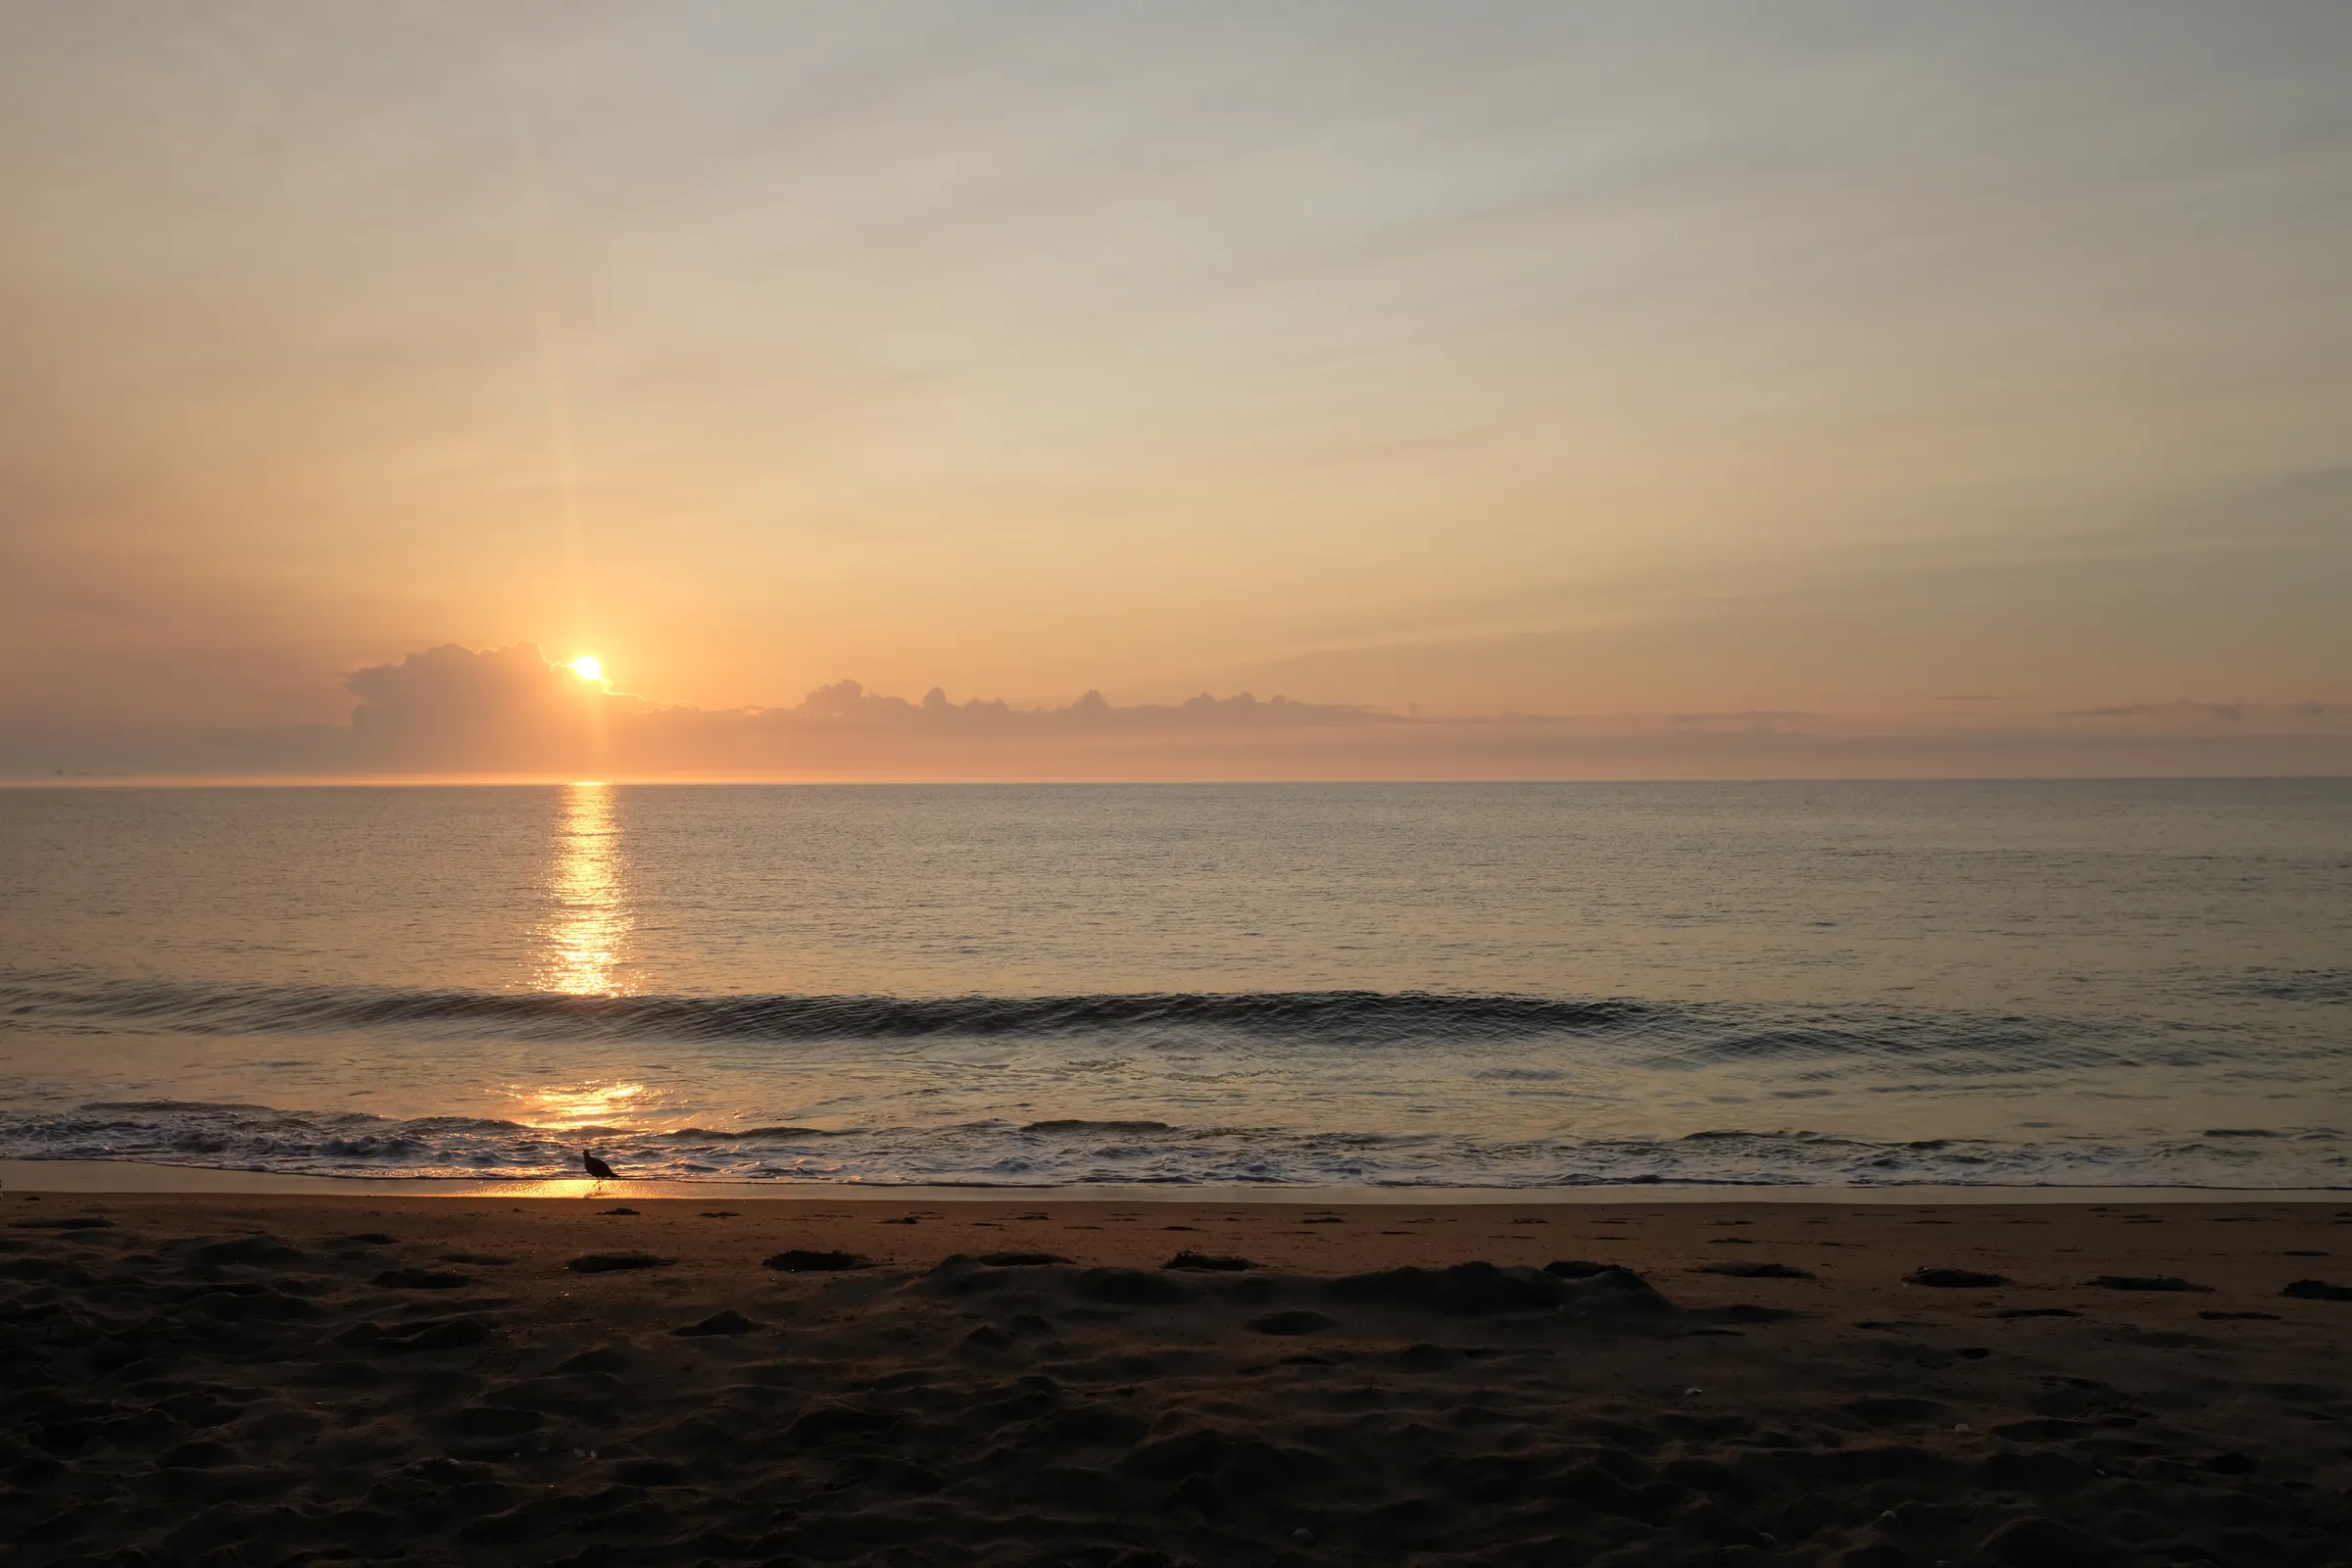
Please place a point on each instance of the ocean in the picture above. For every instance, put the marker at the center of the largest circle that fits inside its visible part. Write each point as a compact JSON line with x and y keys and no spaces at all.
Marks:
{"x":1424,"y":986}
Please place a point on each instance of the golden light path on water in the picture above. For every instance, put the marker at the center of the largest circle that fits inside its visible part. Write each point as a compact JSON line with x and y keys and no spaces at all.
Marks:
{"x":584,"y":950}
{"x":591,"y":919}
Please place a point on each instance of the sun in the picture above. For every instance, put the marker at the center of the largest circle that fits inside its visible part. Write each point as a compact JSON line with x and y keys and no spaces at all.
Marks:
{"x":588,"y":667}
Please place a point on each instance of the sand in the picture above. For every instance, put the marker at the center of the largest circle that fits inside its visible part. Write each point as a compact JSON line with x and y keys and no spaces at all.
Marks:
{"x":262,"y":1380}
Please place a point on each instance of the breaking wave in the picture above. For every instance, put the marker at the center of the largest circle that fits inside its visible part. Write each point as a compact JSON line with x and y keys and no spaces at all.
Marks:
{"x":1654,"y":1034}
{"x":1079,"y":1153}
{"x":1347,"y":1015}
{"x":1266,"y":1088}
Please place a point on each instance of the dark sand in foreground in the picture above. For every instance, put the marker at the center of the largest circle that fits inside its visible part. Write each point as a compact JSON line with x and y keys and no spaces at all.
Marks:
{"x":282,"y":1380}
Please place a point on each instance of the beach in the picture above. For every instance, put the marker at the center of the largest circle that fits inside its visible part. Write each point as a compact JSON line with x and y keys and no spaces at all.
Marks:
{"x":1175,"y":786}
{"x":242,"y":1378}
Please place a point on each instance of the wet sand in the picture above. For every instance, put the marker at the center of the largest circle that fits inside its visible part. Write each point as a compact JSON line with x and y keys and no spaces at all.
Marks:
{"x":252,"y":1380}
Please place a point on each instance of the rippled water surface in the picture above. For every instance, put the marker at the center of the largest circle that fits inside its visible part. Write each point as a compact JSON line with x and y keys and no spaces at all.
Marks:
{"x":1516,"y":985}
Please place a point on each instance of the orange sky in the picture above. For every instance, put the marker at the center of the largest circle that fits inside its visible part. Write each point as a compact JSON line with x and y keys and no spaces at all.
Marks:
{"x":1976,"y":379}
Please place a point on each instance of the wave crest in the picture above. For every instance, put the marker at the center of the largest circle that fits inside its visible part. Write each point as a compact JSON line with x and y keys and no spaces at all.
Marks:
{"x":1307,"y":1015}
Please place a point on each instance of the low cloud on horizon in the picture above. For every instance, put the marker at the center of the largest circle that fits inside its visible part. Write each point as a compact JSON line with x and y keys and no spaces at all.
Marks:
{"x":454,"y":713}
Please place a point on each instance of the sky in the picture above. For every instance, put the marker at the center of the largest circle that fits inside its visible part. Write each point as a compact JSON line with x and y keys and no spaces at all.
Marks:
{"x":1515,"y":389}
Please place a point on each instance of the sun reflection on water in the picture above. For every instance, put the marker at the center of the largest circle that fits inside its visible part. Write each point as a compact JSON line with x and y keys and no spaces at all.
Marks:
{"x":571,"y":1105}
{"x":584,"y":938}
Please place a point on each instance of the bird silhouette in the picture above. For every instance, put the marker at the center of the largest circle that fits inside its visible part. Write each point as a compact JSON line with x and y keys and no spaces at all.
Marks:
{"x":596,"y":1167}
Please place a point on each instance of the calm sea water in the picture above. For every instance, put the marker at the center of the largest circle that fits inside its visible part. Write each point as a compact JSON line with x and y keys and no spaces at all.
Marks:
{"x":1411,"y":985}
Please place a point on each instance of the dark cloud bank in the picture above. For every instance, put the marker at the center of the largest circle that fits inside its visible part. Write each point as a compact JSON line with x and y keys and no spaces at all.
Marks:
{"x":454,"y":712}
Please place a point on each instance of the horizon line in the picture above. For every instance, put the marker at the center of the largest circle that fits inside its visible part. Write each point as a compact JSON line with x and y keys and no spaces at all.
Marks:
{"x":879,"y":781}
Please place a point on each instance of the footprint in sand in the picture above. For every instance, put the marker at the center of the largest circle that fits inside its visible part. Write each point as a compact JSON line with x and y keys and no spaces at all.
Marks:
{"x":1755,"y":1271}
{"x":1209,"y":1263}
{"x":807,"y":1260}
{"x":2147,"y":1282}
{"x":1955,"y":1279}
{"x":419,"y":1279}
{"x":611,"y":1262}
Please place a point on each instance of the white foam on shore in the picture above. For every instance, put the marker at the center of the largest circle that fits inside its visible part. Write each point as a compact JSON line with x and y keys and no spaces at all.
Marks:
{"x":97,"y":1176}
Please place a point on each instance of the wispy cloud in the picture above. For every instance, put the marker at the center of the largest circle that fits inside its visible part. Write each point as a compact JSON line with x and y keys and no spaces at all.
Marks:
{"x":2184,"y":710}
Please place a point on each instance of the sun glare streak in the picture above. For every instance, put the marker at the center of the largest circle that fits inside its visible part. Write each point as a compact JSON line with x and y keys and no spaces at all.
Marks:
{"x":580,"y":1105}
{"x":584,"y":886}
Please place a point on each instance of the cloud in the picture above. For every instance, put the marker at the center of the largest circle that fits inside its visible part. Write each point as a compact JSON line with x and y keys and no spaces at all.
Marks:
{"x":505,"y":712}
{"x":459,"y":712}
{"x":503,"y":709}
{"x":2180,"y":712}
{"x":847,"y":702}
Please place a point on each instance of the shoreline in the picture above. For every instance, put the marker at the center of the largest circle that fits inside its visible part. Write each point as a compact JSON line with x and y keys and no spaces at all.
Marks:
{"x":100,"y":1176}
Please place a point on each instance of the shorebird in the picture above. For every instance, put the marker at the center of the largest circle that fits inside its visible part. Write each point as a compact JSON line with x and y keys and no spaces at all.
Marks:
{"x":596,"y":1167}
